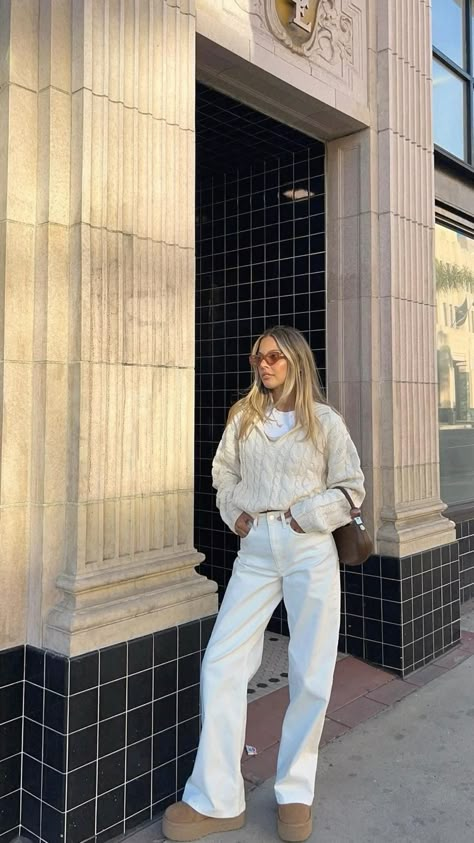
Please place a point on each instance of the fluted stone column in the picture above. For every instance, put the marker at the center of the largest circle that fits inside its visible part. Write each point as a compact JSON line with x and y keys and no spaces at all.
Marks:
{"x":18,"y":168}
{"x":381,"y":294}
{"x":107,"y":327}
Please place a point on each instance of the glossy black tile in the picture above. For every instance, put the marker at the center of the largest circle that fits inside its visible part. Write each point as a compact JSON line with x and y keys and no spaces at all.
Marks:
{"x":189,"y":638}
{"x":54,"y":788}
{"x":390,"y":567}
{"x":30,"y":813}
{"x":372,"y":629}
{"x":12,"y":665}
{"x":83,"y":709}
{"x":110,"y":833}
{"x":55,"y":711}
{"x":392,"y":634}
{"x":139,"y":724}
{"x":188,"y":735}
{"x":355,"y":646}
{"x":373,"y":651}
{"x":81,"y":785}
{"x":392,"y":657}
{"x":11,"y":702}
{"x":34,"y":702}
{"x":111,"y":808}
{"x":189,"y":670}
{"x":82,"y":747}
{"x":52,"y":825}
{"x":10,"y":738}
{"x":139,"y":759}
{"x":13,"y":833}
{"x":165,"y":679}
{"x":113,"y":663}
{"x":158,"y":808}
{"x":55,"y":750}
{"x":137,"y":794}
{"x":10,"y":775}
{"x":355,"y":625}
{"x":185,"y":766}
{"x":140,"y":654}
{"x":34,"y":665}
{"x":138,"y":819}
{"x":164,"y":781}
{"x":140,"y":688}
{"x":165,"y":645}
{"x":80,"y":823}
{"x":84,"y":672}
{"x":188,"y":703}
{"x":32,"y":773}
{"x":164,"y":746}
{"x":391,"y":589}
{"x":111,"y":735}
{"x":112,"y":698}
{"x":57,"y":673}
{"x":111,"y":771}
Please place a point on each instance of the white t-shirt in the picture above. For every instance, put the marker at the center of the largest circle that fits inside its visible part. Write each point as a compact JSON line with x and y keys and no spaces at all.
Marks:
{"x":279,"y":422}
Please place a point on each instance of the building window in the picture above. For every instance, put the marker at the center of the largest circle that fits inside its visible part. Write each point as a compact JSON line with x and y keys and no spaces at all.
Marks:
{"x":453,"y":77}
{"x":455,"y":347}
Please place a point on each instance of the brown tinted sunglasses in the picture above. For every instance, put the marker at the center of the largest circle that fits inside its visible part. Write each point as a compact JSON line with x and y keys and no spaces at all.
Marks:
{"x":271,"y":357}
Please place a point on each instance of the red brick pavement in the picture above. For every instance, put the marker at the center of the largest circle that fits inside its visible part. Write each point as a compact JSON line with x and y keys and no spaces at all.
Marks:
{"x":360,"y":691}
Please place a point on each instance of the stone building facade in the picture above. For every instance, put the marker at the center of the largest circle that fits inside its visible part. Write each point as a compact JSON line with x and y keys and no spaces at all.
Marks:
{"x":123,"y":270}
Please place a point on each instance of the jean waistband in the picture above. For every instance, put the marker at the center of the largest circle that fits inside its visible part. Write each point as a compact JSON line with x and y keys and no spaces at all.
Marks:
{"x":272,"y":515}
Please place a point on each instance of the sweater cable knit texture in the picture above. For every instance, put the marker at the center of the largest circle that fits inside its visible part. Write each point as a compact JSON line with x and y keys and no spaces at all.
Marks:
{"x":258,"y":474}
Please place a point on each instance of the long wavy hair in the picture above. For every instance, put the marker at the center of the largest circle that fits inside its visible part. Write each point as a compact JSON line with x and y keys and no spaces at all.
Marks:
{"x":302,"y":382}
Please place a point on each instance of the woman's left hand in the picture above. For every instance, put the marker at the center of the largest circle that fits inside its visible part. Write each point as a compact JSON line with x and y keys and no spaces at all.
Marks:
{"x":293,"y":524}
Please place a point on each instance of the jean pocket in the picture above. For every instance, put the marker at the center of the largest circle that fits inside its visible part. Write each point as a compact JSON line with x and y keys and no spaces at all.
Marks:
{"x":295,"y":532}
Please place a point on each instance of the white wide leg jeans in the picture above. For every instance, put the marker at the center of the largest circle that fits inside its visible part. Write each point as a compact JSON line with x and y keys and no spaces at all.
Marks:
{"x":273,"y":562}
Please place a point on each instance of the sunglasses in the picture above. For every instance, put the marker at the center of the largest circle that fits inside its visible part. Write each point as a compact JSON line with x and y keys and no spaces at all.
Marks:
{"x":271,"y":357}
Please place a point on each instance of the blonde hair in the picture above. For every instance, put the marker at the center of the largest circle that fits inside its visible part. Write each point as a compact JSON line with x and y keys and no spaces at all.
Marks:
{"x":302,"y":382}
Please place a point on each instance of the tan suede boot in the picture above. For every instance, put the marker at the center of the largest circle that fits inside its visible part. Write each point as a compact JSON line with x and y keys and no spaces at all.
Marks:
{"x":183,"y":823}
{"x":295,"y":822}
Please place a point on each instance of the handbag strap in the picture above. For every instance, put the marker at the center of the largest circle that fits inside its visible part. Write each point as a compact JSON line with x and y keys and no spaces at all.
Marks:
{"x":354,"y":509}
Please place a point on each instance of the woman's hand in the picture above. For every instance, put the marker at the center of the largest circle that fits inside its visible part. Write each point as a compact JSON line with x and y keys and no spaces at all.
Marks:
{"x":243,"y":524}
{"x":293,"y":524}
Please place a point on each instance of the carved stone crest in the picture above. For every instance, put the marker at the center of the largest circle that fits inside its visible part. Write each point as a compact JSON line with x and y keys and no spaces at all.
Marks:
{"x":310,"y":27}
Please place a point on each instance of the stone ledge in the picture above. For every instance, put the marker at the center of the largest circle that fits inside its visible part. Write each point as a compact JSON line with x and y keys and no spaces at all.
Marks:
{"x":106,"y":607}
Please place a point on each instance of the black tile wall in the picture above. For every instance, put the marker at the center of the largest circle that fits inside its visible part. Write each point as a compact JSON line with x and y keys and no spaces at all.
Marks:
{"x":260,"y":261}
{"x":11,"y":720}
{"x":465,"y":536}
{"x":108,"y":736}
{"x":402,"y":613}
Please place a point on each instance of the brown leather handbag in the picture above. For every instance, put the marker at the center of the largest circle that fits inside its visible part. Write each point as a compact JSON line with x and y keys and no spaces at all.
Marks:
{"x":353,"y":541}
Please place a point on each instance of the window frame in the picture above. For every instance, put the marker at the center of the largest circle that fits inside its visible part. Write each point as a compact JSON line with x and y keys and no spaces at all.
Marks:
{"x":467,"y":77}
{"x":447,"y":217}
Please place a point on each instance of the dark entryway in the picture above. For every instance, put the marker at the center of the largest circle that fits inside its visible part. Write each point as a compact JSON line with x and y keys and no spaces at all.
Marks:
{"x":260,"y":246}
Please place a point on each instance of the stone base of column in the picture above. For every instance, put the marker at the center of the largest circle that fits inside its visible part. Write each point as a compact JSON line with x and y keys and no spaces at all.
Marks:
{"x":108,"y":606}
{"x":414,"y":527}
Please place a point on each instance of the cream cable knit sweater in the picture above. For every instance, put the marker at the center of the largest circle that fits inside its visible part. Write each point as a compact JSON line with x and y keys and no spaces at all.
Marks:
{"x":257,"y":474}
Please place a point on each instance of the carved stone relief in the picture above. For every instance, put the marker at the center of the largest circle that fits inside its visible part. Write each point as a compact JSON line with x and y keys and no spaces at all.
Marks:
{"x":325,"y":39}
{"x":308,"y":27}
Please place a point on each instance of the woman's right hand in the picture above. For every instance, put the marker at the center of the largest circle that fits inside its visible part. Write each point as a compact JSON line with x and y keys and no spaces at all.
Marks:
{"x":243,"y":525}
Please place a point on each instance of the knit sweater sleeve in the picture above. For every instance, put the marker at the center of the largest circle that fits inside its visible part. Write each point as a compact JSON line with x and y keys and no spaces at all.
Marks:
{"x":329,"y":509}
{"x":226,"y":474}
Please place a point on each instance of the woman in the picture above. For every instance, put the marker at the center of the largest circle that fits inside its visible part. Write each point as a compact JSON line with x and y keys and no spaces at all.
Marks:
{"x":282,"y":453}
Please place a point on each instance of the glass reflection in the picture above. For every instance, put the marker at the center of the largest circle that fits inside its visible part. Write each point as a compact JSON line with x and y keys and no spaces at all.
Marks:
{"x":449,"y":110}
{"x":448,"y":29}
{"x":455,"y":349}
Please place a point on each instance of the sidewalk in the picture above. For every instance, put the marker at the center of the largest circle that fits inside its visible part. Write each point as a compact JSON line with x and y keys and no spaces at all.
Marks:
{"x":401,"y":769}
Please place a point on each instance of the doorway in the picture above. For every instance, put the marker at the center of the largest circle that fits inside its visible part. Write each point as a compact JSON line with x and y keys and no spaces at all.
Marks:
{"x":260,"y":261}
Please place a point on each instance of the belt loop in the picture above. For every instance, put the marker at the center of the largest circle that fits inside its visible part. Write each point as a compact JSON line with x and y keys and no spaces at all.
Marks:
{"x":255,"y":520}
{"x":283,"y":520}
